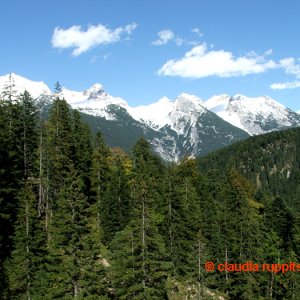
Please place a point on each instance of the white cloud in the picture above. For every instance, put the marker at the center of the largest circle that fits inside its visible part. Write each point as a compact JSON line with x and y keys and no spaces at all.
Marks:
{"x":83,"y":40}
{"x":285,"y":85}
{"x":165,"y":36}
{"x":199,"y":62}
{"x":290,"y":67}
{"x":197,"y":31}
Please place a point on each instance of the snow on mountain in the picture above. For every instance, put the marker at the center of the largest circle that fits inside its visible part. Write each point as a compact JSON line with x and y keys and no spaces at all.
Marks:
{"x":176,"y":128}
{"x":254,"y":115}
{"x":94,"y":101}
{"x":187,"y":109}
{"x":164,"y":112}
{"x":20,"y":84}
{"x":155,"y":115}
{"x":186,"y":127}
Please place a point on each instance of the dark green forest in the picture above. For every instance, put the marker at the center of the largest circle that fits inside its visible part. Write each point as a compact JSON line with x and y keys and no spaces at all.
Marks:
{"x":81,"y":220}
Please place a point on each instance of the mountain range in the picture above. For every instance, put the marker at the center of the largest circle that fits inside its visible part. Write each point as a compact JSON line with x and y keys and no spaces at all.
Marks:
{"x":186,"y":126}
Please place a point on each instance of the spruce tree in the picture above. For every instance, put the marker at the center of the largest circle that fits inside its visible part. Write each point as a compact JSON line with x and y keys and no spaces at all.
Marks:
{"x":182,"y":217}
{"x":116,"y":204}
{"x":29,"y":133}
{"x":59,"y":154}
{"x":11,"y":176}
{"x":26,"y":262}
{"x":141,"y":266}
{"x":82,"y":149}
{"x":75,"y":269}
{"x":242,"y":224}
{"x":100,"y":175}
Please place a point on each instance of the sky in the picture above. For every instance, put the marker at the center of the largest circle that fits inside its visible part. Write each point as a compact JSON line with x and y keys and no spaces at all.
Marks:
{"x":143,"y":50}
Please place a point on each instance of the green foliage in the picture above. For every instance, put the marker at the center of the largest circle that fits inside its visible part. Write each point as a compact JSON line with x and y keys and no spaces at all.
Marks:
{"x":17,"y":156}
{"x":270,"y":161}
{"x":81,"y":220}
{"x":141,"y":266}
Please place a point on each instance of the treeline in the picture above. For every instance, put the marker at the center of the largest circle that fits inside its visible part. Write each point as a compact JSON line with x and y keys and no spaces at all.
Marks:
{"x":81,"y":220}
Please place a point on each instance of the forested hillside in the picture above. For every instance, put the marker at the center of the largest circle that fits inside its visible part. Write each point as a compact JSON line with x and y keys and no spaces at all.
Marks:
{"x":81,"y":220}
{"x":270,"y":161}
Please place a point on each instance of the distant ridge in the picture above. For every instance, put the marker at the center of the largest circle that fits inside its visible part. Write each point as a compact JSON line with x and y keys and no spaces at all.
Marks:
{"x":186,"y":126}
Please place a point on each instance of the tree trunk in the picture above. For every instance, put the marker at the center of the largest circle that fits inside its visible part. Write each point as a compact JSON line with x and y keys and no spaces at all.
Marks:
{"x":27,"y":248}
{"x":40,"y":203}
{"x":143,"y":242}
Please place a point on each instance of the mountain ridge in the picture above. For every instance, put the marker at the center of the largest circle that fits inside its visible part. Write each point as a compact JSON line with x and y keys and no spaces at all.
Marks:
{"x":236,"y":110}
{"x":186,"y":126}
{"x":254,"y":115}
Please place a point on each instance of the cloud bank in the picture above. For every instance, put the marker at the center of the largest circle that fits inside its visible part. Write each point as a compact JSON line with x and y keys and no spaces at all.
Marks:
{"x":200,"y":62}
{"x":84,"y":40}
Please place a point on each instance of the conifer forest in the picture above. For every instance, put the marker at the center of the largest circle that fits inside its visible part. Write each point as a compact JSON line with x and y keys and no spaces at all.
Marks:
{"x":80,"y":220}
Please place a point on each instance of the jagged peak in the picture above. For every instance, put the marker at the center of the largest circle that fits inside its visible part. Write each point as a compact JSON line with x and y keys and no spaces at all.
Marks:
{"x":189,"y":97}
{"x":94,"y":91}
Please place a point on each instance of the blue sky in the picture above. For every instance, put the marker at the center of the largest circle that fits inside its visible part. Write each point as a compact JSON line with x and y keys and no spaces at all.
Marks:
{"x":143,"y":50}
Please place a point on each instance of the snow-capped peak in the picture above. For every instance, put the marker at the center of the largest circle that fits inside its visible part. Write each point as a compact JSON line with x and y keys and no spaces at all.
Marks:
{"x":217,"y":103}
{"x":94,"y":91}
{"x":20,"y":84}
{"x":254,"y":115}
{"x":189,"y":97}
{"x":188,"y":103}
{"x":167,"y":112}
{"x":155,"y":114}
{"x":93,"y":101}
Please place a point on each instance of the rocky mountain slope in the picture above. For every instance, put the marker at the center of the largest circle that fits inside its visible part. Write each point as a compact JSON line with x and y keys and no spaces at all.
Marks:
{"x":186,"y":126}
{"x":253,"y":115}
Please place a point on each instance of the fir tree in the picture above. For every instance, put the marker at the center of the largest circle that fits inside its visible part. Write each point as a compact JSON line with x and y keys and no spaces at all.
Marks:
{"x":11,"y":176}
{"x":75,"y":268}
{"x":82,"y":149}
{"x":116,"y":204}
{"x":23,"y":266}
{"x":142,"y":273}
{"x":29,"y":133}
{"x":183,"y":215}
{"x":100,"y":175}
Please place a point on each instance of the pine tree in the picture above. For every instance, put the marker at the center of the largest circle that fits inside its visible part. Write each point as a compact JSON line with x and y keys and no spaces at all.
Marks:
{"x":116,"y":204}
{"x":183,"y":215}
{"x":60,"y":143}
{"x":29,"y":133}
{"x":242,"y":223}
{"x":82,"y":149}
{"x":75,"y":268}
{"x":141,"y":267}
{"x":22,"y":268}
{"x":58,"y":156}
{"x":11,"y":175}
{"x":100,"y":175}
